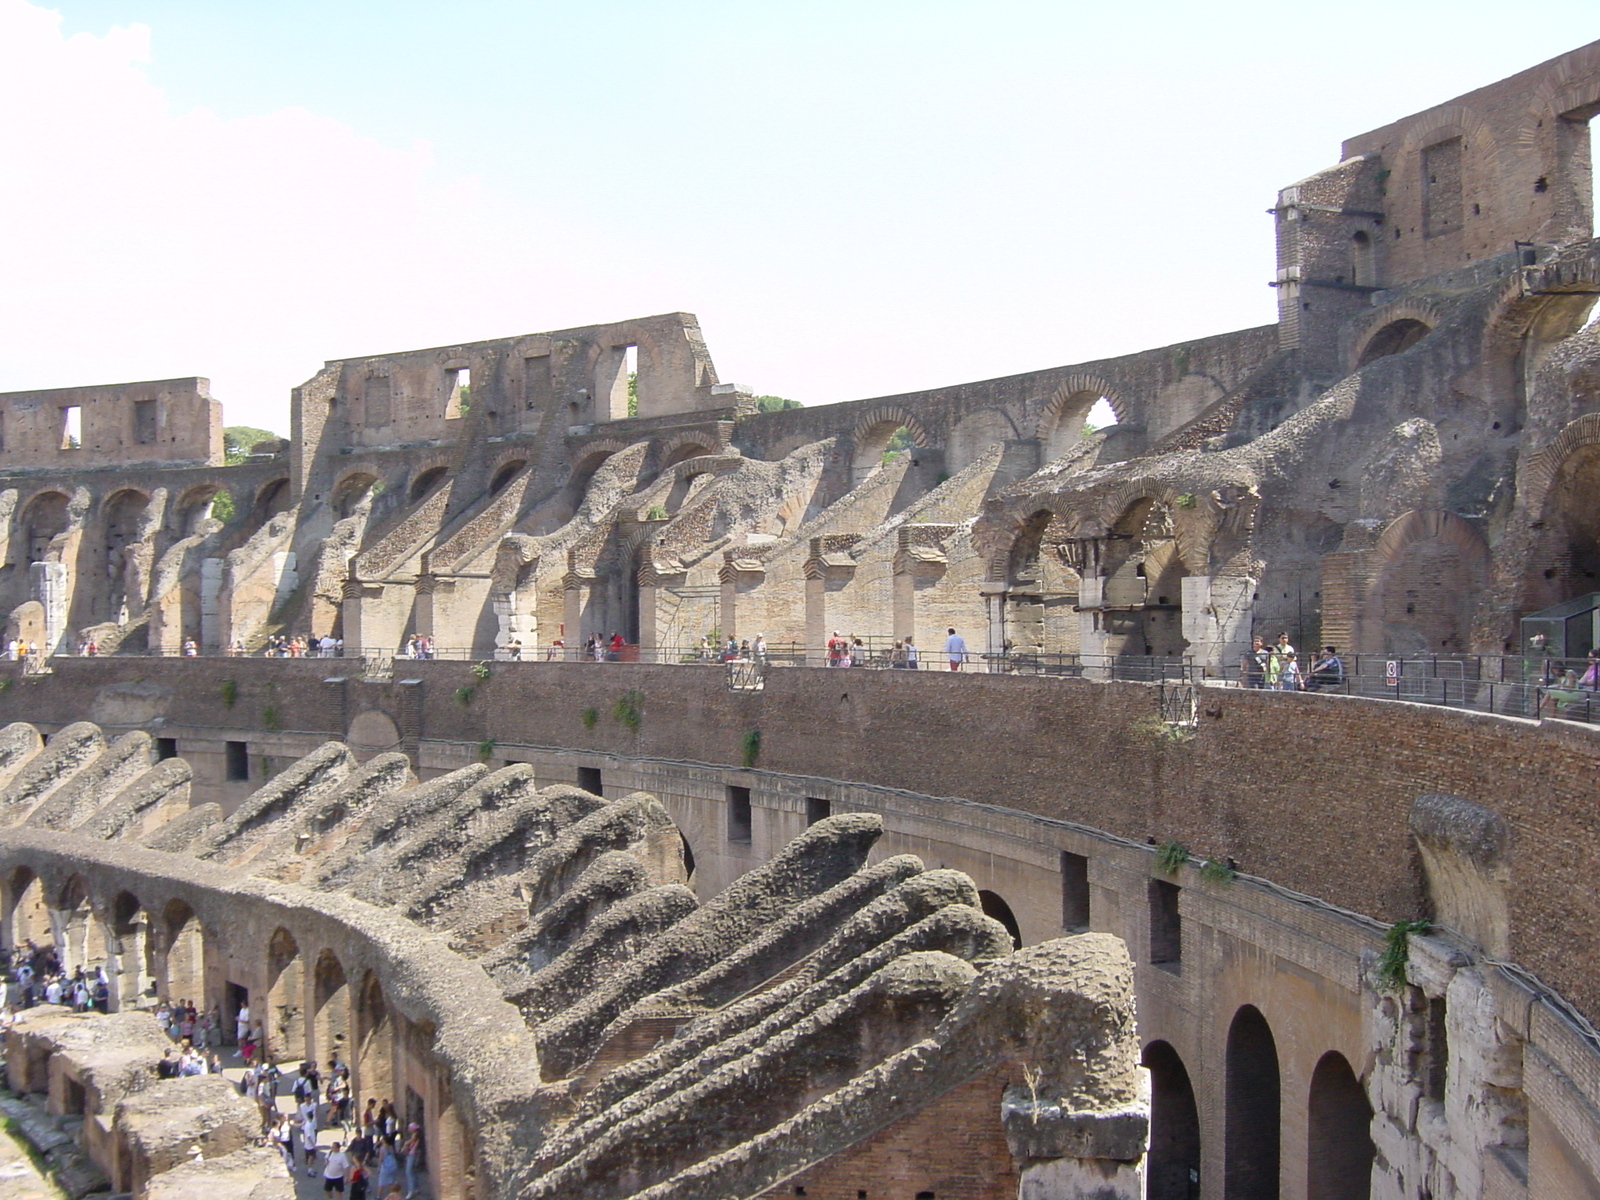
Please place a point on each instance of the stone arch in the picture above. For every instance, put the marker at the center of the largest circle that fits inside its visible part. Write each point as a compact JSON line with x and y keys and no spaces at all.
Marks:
{"x":271,"y":499}
{"x":974,"y":434}
{"x":375,"y":1042}
{"x":1143,"y":570}
{"x":1173,"y":1171}
{"x":285,"y":1018}
{"x":1039,"y":614}
{"x":130,"y":973}
{"x":1423,"y":564}
{"x":1339,"y":1149}
{"x":592,"y":458}
{"x":425,"y":480}
{"x":183,"y":954}
{"x":1394,"y":331}
{"x":995,"y":907}
{"x":371,"y":733}
{"x":81,"y":940}
{"x":27,"y":913}
{"x":192,"y":507}
{"x":1252,"y":1109}
{"x":45,"y":517}
{"x":330,"y":1006}
{"x":685,"y":446}
{"x":505,"y":473}
{"x":352,"y":492}
{"x":1061,"y":421}
{"x":872,"y":435}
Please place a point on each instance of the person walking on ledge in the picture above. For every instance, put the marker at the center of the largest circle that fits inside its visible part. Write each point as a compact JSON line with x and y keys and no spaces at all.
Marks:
{"x":955,"y":649}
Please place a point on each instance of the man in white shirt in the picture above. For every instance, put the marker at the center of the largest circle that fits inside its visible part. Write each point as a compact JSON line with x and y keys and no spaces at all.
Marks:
{"x":334,"y":1168}
{"x":955,"y":649}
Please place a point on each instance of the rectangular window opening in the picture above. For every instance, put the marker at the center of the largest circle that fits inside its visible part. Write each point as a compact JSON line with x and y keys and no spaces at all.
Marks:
{"x":536,"y":390}
{"x":71,"y":427}
{"x":630,"y":364}
{"x":1441,"y":188}
{"x":1074,"y":892}
{"x":238,"y":761}
{"x":1436,"y":1054}
{"x":613,"y":384}
{"x":1166,"y":926}
{"x":166,"y":748}
{"x":144,"y":422}
{"x":589,"y":780}
{"x":458,"y":392}
{"x":818,"y":808}
{"x":739,"y":814}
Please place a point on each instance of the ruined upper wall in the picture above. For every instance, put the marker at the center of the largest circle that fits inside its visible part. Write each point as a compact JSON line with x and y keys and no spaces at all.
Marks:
{"x":1468,"y":178}
{"x":518,"y":385}
{"x":170,"y":422}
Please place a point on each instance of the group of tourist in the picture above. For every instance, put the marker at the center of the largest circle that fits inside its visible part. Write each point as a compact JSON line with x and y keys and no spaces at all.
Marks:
{"x":17,"y":648}
{"x":280,"y":646}
{"x":378,"y":1155}
{"x":1277,"y":667}
{"x":417,"y":646}
{"x":33,"y":975}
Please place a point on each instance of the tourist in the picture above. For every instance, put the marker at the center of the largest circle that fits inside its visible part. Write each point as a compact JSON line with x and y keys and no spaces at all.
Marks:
{"x":334,"y":1169}
{"x":281,"y":1135}
{"x":557,"y":650}
{"x":1590,"y":682}
{"x":514,"y":650}
{"x":308,"y":1133}
{"x":616,"y":648}
{"x":1288,"y":673}
{"x":1327,"y":671}
{"x":837,"y":649}
{"x":858,"y":653}
{"x":759,"y":648}
{"x":911,"y":654}
{"x":955,"y":649}
{"x":388,"y":1165}
{"x":897,"y":656}
{"x":1253,"y":666}
{"x":411,"y":1153}
{"x":191,"y":648}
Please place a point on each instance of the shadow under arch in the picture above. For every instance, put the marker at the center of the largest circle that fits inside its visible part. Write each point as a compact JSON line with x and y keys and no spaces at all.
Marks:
{"x":996,"y":907}
{"x":1173,"y":1172}
{"x":1339,"y":1148}
{"x":1252,"y":1113}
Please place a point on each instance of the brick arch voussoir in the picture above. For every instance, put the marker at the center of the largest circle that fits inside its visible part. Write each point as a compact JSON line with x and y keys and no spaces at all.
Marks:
{"x":1429,"y":524}
{"x":1539,"y":473}
{"x":667,"y":447}
{"x":1407,"y":310}
{"x":1070,"y":389}
{"x":894,"y":416}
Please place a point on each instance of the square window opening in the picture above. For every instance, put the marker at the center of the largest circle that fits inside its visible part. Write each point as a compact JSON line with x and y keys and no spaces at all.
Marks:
{"x":166,"y":748}
{"x":238,"y":761}
{"x":590,"y":781}
{"x":739,"y":815}
{"x":818,"y":808}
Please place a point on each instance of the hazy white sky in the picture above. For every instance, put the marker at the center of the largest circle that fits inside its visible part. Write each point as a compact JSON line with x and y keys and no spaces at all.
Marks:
{"x":857,"y":198}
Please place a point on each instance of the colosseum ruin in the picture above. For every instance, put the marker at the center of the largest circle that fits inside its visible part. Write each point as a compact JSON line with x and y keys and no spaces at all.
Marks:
{"x":611,"y":911}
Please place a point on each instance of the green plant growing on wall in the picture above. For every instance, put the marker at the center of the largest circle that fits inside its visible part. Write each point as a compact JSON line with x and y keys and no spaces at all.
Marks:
{"x":750,"y":746}
{"x":1163,"y":733}
{"x":486,"y":749}
{"x":230,"y":693}
{"x":1223,"y":872}
{"x":270,"y":718}
{"x":1184,"y":500}
{"x":656,"y":512}
{"x":1170,"y":856}
{"x":1397,"y":952}
{"x":629,"y":709}
{"x":481,"y":670}
{"x":464,"y":696}
{"x":589,"y":716}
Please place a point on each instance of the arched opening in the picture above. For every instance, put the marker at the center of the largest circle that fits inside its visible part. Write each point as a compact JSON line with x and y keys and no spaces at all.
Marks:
{"x":1069,"y":418}
{"x":1339,"y":1149}
{"x":578,"y":484}
{"x":272,"y":499}
{"x":1142,"y":593}
{"x":331,"y":1001}
{"x":1041,"y":591}
{"x":999,"y":910}
{"x":1566,"y":558}
{"x":126,"y":568}
{"x":1363,"y":260}
{"x":427,"y":481}
{"x":1393,"y":338}
{"x":183,"y":965}
{"x":374,"y":1065}
{"x":1251,"y":1109}
{"x":129,"y":973}
{"x":82,"y":942}
{"x":683,"y":453}
{"x":353,"y":494}
{"x":505,"y":475}
{"x":1174,"y":1156}
{"x":286,"y":998}
{"x":44,"y":521}
{"x":685,"y":489}
{"x":27,"y":914}
{"x":197,"y":505}
{"x":1425,"y":563}
{"x":879,"y":445}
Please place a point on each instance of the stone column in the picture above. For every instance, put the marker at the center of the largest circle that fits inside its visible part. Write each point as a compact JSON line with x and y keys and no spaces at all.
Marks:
{"x":53,"y":590}
{"x":1067,"y":1155}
